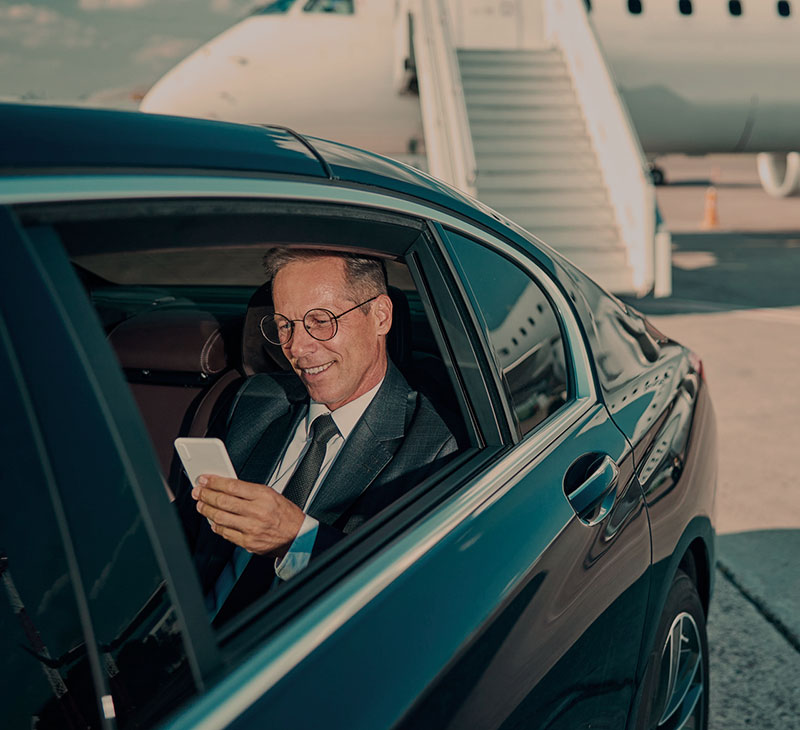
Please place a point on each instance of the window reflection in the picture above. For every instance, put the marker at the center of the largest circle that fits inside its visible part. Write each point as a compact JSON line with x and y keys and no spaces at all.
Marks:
{"x":522,"y":329}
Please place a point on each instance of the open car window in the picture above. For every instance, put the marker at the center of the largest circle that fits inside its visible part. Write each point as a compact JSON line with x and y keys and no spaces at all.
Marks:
{"x":178,"y":287}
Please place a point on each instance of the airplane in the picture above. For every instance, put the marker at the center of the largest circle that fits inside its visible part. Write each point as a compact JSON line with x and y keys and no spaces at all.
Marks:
{"x":717,"y":76}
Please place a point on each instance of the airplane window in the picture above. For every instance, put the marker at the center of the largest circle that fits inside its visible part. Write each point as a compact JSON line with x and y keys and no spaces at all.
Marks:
{"x":338,"y":7}
{"x":274,"y":8}
{"x":784,"y":9}
{"x":735,"y":7}
{"x":588,"y":4}
{"x":685,"y":6}
{"x":635,"y":7}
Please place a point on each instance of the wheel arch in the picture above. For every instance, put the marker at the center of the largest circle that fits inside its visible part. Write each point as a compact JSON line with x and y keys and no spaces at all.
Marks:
{"x":696,"y":564}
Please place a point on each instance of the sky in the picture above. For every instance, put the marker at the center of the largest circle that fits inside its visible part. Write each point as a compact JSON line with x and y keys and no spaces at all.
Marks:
{"x":102,"y":50}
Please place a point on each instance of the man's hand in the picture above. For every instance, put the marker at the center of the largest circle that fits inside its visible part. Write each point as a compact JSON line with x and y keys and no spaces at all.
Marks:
{"x":252,"y":516}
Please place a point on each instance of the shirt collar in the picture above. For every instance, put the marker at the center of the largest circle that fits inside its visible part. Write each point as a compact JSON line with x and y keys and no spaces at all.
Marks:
{"x":345,"y":417}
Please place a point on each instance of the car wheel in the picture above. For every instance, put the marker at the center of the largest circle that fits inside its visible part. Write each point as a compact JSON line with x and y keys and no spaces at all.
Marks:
{"x":675,"y":694}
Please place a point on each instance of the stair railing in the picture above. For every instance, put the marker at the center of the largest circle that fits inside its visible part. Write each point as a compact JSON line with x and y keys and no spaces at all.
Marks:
{"x":423,"y":33}
{"x":614,"y":138}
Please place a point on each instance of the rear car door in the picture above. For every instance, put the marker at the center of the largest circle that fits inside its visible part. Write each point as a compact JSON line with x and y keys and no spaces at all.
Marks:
{"x":563,"y":542}
{"x":107,"y":626}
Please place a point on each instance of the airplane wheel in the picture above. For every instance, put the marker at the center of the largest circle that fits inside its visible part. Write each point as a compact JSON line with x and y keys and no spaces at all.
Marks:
{"x":657,"y":175}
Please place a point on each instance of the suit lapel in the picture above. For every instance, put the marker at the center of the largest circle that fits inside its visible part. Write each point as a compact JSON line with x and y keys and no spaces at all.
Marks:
{"x":261,"y":462}
{"x":370,"y":447}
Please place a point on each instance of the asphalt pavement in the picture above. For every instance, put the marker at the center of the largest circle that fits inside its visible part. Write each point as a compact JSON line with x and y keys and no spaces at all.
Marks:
{"x":736,"y":302}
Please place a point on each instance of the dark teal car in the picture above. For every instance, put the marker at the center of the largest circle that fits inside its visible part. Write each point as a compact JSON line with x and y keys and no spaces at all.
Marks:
{"x":555,"y":574}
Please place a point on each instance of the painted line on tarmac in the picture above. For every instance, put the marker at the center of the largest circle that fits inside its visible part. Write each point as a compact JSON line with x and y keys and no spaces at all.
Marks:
{"x":769,"y":616}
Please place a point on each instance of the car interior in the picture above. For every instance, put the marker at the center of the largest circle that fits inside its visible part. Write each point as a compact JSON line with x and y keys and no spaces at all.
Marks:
{"x":180,"y":294}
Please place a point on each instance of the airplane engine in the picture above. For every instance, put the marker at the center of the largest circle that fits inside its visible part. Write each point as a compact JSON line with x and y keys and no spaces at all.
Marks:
{"x":779,"y":173}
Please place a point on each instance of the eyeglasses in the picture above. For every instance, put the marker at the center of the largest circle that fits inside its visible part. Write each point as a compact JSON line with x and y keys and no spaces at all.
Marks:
{"x":321,"y":324}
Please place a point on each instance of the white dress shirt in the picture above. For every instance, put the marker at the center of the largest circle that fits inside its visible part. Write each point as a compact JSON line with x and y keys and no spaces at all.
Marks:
{"x":345,"y":418}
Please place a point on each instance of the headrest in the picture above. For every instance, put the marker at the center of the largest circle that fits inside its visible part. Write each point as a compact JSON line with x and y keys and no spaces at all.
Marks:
{"x":260,"y":356}
{"x":173,"y":340}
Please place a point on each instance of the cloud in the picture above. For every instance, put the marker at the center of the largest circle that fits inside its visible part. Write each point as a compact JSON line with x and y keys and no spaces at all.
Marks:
{"x":113,"y":4}
{"x":38,"y":27}
{"x":165,"y":48}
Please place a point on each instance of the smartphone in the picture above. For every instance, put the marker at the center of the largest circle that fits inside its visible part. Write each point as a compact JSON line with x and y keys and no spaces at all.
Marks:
{"x":204,"y":456}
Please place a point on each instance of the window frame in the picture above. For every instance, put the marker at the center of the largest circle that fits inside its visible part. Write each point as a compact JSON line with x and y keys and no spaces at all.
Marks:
{"x":548,"y":288}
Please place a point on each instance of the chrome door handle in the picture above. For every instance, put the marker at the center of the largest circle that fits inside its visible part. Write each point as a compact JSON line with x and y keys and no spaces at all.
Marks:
{"x":594,"y":491}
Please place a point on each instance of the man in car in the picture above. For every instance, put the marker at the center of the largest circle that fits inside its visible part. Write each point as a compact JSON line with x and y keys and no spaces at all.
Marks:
{"x":336,"y":440}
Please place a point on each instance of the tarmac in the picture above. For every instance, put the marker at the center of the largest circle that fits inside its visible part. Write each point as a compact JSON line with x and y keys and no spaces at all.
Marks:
{"x":736,"y":302}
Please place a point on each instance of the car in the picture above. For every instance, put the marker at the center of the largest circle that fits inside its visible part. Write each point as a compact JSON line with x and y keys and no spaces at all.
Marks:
{"x":556,"y":573}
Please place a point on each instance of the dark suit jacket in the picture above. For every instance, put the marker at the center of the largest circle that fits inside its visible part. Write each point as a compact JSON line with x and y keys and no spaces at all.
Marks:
{"x":399,"y":440}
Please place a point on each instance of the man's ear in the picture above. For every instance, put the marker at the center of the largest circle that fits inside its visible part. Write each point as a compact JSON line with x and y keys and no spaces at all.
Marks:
{"x":382,"y":308}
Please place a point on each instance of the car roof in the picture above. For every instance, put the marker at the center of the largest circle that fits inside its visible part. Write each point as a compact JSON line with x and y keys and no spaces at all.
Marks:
{"x":69,"y":139}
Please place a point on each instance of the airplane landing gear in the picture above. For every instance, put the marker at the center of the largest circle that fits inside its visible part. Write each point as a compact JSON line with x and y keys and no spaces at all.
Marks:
{"x":657,"y":174}
{"x":779,"y":173}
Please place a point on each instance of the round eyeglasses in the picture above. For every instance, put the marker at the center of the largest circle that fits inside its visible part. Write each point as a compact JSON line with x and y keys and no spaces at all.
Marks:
{"x":321,"y":324}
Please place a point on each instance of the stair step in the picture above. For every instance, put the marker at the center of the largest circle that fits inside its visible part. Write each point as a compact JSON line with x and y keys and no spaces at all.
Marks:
{"x":519,"y":92}
{"x":536,"y":70}
{"x":568,"y":239}
{"x":509,"y":142}
{"x":547,"y":179}
{"x":543,"y":131}
{"x":517,"y":96}
{"x":528,"y":77}
{"x":522,"y":112}
{"x":492,"y":164}
{"x":562,"y":118}
{"x":518,"y":204}
{"x":485,"y":57}
{"x":599,"y":216}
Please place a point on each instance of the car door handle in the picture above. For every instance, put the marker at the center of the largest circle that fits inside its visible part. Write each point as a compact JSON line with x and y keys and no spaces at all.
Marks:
{"x":590,"y":485}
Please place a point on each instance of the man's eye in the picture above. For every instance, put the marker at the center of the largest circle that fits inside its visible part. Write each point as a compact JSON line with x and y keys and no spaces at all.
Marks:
{"x":316,"y":322}
{"x":284,"y":327}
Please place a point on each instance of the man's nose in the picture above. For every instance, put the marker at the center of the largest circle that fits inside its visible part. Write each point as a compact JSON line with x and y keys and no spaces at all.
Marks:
{"x":301,"y":343}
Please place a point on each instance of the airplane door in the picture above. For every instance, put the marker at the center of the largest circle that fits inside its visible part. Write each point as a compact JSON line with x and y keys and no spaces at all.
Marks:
{"x":500,"y":24}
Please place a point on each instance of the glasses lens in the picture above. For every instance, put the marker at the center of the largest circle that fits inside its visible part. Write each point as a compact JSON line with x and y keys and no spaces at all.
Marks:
{"x":276,"y":329}
{"x":320,"y":324}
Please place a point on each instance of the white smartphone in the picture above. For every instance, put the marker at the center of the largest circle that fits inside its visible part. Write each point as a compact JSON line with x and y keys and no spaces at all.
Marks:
{"x":204,"y":456}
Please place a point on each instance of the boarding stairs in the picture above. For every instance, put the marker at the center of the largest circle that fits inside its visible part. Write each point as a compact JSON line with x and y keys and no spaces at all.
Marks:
{"x":536,"y":130}
{"x":535,"y":162}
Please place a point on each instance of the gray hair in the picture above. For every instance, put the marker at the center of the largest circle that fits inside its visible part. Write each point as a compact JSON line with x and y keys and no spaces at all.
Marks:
{"x":365,"y":275}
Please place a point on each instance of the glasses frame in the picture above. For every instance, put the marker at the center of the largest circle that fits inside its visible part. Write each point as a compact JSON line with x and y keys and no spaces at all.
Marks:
{"x":334,"y":317}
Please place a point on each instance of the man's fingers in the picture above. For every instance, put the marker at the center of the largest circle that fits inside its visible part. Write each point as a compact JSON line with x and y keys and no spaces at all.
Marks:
{"x":223,"y":501}
{"x":228,"y":485}
{"x":224,"y":517}
{"x":230,"y":534}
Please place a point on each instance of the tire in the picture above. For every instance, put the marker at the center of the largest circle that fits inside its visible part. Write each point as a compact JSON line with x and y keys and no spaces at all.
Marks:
{"x":657,"y":175}
{"x":675,"y":693}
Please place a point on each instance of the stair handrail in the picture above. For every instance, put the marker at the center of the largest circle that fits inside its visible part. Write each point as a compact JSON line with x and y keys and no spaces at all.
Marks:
{"x":448,"y":140}
{"x":614,"y":138}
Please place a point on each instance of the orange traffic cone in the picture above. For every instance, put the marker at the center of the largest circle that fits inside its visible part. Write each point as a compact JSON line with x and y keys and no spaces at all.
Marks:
{"x":710,"y":214}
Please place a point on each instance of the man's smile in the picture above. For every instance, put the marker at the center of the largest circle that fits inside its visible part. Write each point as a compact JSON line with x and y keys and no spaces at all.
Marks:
{"x":317,"y":369}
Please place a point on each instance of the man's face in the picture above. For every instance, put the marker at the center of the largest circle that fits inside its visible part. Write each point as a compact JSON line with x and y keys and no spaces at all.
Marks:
{"x":341,"y":369}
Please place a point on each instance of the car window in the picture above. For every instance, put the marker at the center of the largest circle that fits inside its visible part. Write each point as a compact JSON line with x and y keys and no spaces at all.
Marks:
{"x":181,"y":295}
{"x":45,"y":674}
{"x":521,"y":327}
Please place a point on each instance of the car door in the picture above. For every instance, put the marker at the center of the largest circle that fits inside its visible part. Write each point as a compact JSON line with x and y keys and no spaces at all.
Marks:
{"x":108,"y":628}
{"x":563,"y":541}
